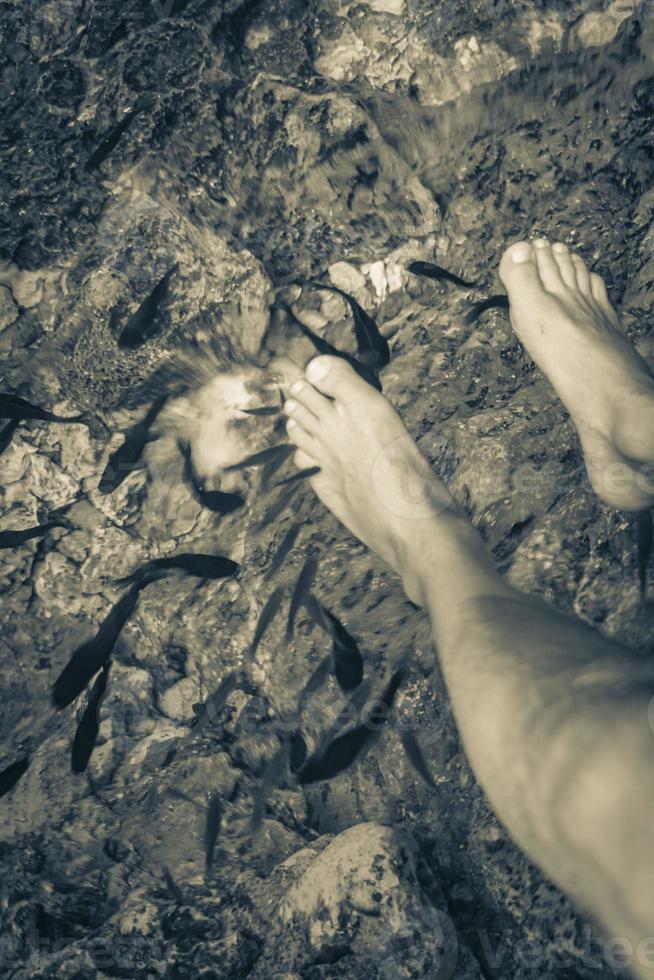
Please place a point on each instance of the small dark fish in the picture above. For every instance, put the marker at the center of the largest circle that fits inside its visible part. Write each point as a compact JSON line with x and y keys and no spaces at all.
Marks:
{"x":13,"y":407}
{"x":268,"y":613}
{"x":324,"y":347}
{"x":431,"y":271}
{"x":317,"y":613}
{"x":214,"y":704}
{"x":10,"y":776}
{"x":172,"y":886}
{"x":212,"y":829}
{"x":280,"y":505}
{"x":644,"y":542}
{"x":498,"y":302}
{"x":8,"y":433}
{"x":89,"y":726}
{"x":126,"y":458}
{"x":416,"y":757}
{"x":337,"y":757}
{"x":316,"y":681}
{"x":300,"y":475}
{"x":297,"y":750}
{"x":373,"y":349}
{"x":13,"y":539}
{"x":343,"y":750}
{"x":143,"y":323}
{"x":216,"y":501}
{"x":264,"y":410}
{"x":348,"y":662}
{"x":110,"y":142}
{"x":269,"y":470}
{"x":92,"y":655}
{"x":300,"y":592}
{"x":284,"y":549}
{"x":272,"y":774}
{"x":274,"y":453}
{"x":351,"y":709}
{"x":202,"y":566}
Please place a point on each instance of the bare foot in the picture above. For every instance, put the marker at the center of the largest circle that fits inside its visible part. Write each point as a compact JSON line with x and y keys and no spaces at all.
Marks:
{"x":373,"y":477}
{"x":562,"y":314}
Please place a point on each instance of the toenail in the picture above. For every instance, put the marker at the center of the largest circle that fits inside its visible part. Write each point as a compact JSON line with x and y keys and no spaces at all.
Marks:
{"x":559,"y":247}
{"x":521,"y":252}
{"x":291,"y":424}
{"x":317,"y":370}
{"x":296,"y":387}
{"x":290,"y":405}
{"x":541,"y":243}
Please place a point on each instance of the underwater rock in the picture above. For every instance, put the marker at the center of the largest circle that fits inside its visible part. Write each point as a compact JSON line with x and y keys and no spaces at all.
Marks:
{"x":216,"y":295}
{"x":365,"y":893}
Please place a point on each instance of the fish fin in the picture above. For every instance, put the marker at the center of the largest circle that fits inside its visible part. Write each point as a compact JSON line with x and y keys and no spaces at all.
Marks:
{"x":645,"y":544}
{"x":416,"y":757}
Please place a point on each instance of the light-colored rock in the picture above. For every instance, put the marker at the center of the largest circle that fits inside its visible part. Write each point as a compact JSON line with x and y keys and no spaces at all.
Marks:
{"x":362,"y":890}
{"x":346,"y":277}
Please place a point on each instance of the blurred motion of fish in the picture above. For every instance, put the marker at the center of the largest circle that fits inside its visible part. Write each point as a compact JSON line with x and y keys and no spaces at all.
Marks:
{"x":324,"y":347}
{"x":268,"y":613}
{"x":644,"y":542}
{"x":214,"y":704}
{"x":217,"y":501}
{"x":497,"y":302}
{"x":431,"y":271}
{"x":89,"y":725}
{"x":297,"y":750}
{"x":416,"y":757}
{"x":280,"y":504}
{"x":13,"y":407}
{"x":172,"y":886}
{"x":110,"y":142}
{"x":212,"y":829}
{"x":284,"y":549}
{"x":93,"y":655}
{"x":348,"y":662}
{"x":8,"y":433}
{"x":127,"y":457}
{"x":343,"y":750}
{"x":300,"y":592}
{"x":58,"y":518}
{"x":273,"y":454}
{"x":10,"y":776}
{"x":199,"y":565}
{"x":372,"y":348}
{"x":300,"y":475}
{"x":272,"y":774}
{"x":144,"y":323}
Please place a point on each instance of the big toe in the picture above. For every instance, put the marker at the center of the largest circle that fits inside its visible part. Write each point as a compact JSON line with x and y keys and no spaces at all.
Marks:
{"x":334,"y":377}
{"x":519,"y":271}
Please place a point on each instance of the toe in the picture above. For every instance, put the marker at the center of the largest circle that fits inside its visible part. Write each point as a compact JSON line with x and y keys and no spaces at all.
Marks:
{"x":334,"y":377}
{"x":548,"y":268}
{"x":599,"y":289}
{"x":518,"y":270}
{"x":311,"y":398}
{"x":583,"y":275}
{"x":563,"y":259}
{"x":602,"y":297}
{"x":301,"y":415}
{"x":300,"y":437}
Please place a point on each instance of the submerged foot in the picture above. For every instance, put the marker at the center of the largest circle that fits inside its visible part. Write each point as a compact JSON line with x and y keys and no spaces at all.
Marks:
{"x":562,"y":314}
{"x":372,"y":475}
